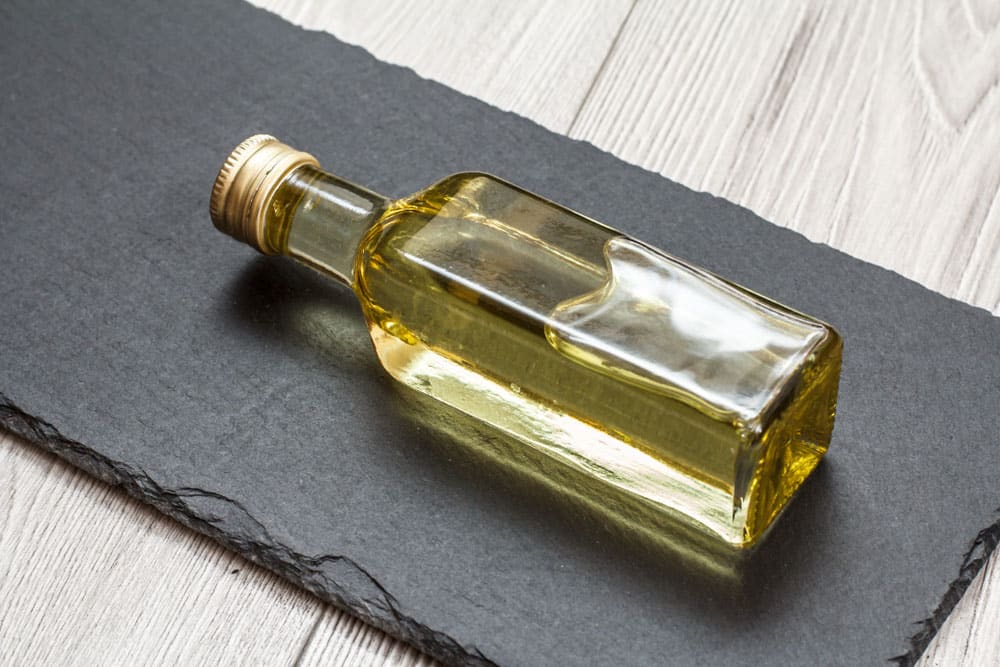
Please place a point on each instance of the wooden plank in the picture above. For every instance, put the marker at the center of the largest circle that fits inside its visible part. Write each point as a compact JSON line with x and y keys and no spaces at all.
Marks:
{"x":868,"y":126}
{"x":339,"y":639}
{"x":971,"y":635}
{"x":91,"y":576}
{"x":536,"y":55}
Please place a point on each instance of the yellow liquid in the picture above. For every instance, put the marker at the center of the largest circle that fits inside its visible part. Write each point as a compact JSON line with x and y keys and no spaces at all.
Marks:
{"x":656,"y":379}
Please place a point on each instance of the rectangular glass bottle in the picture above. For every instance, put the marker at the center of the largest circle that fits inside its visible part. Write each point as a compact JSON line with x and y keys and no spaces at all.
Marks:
{"x":651,"y":375}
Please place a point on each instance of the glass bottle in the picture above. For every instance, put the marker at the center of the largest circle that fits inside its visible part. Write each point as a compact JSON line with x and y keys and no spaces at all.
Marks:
{"x":701,"y":398}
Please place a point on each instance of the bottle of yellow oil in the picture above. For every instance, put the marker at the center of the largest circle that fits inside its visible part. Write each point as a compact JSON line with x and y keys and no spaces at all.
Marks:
{"x":652,"y":376}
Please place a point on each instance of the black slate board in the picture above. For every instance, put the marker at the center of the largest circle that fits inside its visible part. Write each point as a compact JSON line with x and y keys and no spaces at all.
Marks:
{"x":239,"y":394}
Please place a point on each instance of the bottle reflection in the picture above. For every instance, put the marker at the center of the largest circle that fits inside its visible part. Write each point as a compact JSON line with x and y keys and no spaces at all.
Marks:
{"x":489,"y":467}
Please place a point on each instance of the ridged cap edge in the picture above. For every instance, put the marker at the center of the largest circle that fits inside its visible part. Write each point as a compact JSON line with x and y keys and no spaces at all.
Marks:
{"x":246,"y":181}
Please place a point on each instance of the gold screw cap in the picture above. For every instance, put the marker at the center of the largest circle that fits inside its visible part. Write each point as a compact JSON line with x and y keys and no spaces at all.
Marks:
{"x":246,"y":182}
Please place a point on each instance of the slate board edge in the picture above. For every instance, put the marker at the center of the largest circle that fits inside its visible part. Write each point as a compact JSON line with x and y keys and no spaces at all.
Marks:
{"x":255,"y":543}
{"x":978,"y":554}
{"x":251,"y":540}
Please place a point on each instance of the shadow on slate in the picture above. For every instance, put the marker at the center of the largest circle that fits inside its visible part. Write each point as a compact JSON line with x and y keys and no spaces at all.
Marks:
{"x":240,"y":395}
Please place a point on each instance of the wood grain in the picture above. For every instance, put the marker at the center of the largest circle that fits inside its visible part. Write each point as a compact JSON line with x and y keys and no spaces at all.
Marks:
{"x":539,"y":56}
{"x":868,"y":126}
{"x":91,"y":576}
{"x":971,"y":635}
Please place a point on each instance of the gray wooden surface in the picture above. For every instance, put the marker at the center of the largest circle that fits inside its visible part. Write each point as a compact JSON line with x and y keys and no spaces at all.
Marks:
{"x":871,"y":126}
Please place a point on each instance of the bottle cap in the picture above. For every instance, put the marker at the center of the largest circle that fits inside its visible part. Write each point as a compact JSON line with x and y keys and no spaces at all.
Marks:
{"x":245,"y":184}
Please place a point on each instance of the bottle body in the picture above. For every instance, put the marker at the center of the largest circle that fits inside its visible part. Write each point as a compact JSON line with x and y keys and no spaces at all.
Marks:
{"x":650,"y":375}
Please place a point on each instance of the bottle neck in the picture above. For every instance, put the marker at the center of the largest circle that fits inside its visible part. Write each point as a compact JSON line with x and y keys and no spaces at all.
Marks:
{"x":320,"y":220}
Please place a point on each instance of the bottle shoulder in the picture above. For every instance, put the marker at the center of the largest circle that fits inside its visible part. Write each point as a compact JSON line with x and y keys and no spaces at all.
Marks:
{"x":462,"y":181}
